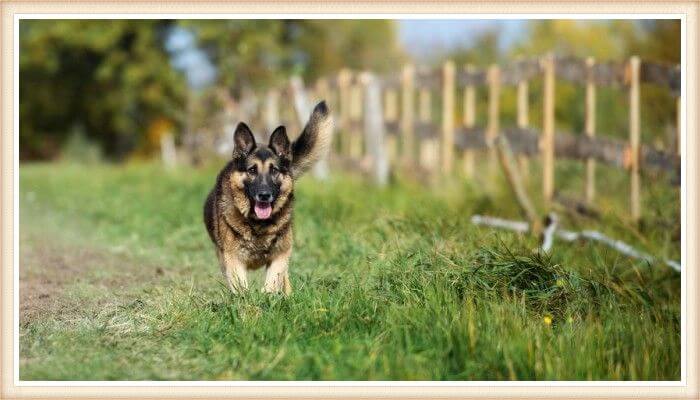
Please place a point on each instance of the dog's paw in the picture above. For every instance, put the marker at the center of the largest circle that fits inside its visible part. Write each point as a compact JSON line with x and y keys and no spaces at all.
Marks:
{"x":278,"y":288}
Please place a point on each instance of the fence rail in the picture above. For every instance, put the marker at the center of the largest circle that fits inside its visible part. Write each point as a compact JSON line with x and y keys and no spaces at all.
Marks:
{"x":394,"y":112}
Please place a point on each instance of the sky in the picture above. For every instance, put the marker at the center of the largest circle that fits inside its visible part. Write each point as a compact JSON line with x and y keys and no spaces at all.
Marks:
{"x":419,"y":37}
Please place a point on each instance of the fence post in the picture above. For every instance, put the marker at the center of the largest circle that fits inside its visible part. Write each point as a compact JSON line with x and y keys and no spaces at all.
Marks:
{"x":374,"y":129}
{"x":322,"y":91}
{"x":391,"y":115}
{"x":523,"y":122}
{"x":448,"y":105}
{"x":492,"y":129}
{"x":407,"y":108}
{"x":272,"y":119}
{"x":590,"y":128}
{"x":356,"y":118}
{"x":426,"y":147}
{"x":547,"y":146}
{"x":469,"y":120}
{"x":167,"y":150}
{"x":344,"y":110}
{"x":634,"y":138}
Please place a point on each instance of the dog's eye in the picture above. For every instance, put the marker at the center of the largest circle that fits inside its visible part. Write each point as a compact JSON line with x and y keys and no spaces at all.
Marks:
{"x":274,"y":171}
{"x":253,"y":170}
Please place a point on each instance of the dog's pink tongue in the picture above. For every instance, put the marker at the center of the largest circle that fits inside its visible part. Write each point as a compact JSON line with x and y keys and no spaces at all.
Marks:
{"x":263,"y":210}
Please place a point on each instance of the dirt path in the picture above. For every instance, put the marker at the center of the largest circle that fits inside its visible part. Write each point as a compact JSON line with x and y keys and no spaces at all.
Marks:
{"x":49,"y":271}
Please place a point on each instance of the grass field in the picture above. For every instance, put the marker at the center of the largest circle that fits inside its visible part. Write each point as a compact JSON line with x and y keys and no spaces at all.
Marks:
{"x":118,"y":281}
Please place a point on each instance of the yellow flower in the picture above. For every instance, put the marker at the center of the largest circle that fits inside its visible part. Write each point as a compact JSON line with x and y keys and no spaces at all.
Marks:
{"x":547,"y":320}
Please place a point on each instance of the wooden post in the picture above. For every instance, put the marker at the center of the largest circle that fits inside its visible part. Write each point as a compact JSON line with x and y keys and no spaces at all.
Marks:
{"x":374,"y":129}
{"x":505,"y":156}
{"x":424,"y":105}
{"x":344,"y":77}
{"x":407,"y":110}
{"x":523,"y":122}
{"x":167,"y":150}
{"x":635,"y":205}
{"x":448,"y":106}
{"x":356,"y":118}
{"x":547,"y":146}
{"x":323,"y":91}
{"x":426,"y":150}
{"x":492,"y":129}
{"x":272,"y":118}
{"x":469,"y":120}
{"x":590,"y":129}
{"x":391,"y":114}
{"x":390,"y":105}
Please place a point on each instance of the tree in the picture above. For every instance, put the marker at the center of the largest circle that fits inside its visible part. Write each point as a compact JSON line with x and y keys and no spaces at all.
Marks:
{"x":253,"y":54}
{"x":109,"y":78}
{"x":483,"y":51}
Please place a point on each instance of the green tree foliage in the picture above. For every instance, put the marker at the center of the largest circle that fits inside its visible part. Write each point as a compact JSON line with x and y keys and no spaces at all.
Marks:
{"x":109,"y":78}
{"x":659,"y":41}
{"x":484,"y":50}
{"x":327,"y":46}
{"x":113,"y":79}
{"x":602,"y":40}
{"x":247,"y":53}
{"x":259,"y":53}
{"x":616,"y":40}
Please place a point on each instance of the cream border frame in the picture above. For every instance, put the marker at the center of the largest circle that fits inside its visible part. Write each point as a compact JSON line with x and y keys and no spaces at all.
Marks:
{"x":686,"y":388}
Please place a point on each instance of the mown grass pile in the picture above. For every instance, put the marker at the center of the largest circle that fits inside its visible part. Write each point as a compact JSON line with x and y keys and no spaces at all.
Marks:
{"x":389,"y":284}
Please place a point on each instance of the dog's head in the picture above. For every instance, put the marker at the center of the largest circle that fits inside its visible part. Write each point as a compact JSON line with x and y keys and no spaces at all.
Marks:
{"x":262,"y":173}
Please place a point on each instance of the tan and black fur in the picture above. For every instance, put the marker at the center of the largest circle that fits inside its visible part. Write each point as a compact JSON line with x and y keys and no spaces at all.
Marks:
{"x":248,"y":213}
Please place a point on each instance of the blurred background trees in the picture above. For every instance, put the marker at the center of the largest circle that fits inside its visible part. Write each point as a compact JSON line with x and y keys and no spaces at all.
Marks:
{"x":120,"y":84}
{"x":261,"y":53}
{"x":106,"y":78}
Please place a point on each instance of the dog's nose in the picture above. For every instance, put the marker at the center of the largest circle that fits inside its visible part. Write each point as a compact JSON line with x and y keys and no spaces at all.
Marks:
{"x":264,"y":196}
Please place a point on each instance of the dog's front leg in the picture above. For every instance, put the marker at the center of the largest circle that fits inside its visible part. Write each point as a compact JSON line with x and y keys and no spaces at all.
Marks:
{"x":277,"y":276}
{"x":235,"y":272}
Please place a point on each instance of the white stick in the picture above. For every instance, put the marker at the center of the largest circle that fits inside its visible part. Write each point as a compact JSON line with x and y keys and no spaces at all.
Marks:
{"x":518,"y":226}
{"x":570,"y":236}
{"x":548,"y":233}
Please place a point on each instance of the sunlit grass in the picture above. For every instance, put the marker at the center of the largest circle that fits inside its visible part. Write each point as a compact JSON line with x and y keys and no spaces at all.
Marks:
{"x":389,"y":284}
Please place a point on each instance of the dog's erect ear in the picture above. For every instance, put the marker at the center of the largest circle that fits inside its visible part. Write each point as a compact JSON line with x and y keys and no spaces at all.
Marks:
{"x":314,"y":141}
{"x":279,"y":142}
{"x":243,"y":140}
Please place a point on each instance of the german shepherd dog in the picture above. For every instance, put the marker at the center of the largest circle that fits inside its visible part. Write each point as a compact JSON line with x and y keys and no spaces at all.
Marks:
{"x":248,"y":213}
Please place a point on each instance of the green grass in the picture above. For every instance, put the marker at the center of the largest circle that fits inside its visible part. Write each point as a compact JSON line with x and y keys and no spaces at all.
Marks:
{"x":389,"y":284}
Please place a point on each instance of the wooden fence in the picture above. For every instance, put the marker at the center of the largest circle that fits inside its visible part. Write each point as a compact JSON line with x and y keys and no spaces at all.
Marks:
{"x":385,"y":122}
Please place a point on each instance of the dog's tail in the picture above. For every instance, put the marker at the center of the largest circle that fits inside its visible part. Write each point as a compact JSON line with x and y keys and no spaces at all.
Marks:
{"x":314,"y":141}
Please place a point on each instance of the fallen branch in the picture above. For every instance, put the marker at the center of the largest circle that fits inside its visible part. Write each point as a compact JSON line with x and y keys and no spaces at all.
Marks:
{"x":518,"y":226}
{"x":505,"y":156}
{"x":576,"y":206}
{"x":551,"y":230}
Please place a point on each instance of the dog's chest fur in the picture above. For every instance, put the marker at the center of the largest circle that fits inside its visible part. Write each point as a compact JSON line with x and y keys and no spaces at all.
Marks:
{"x":258,"y":242}
{"x":254,"y":242}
